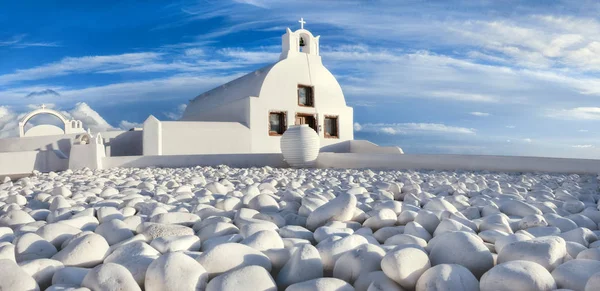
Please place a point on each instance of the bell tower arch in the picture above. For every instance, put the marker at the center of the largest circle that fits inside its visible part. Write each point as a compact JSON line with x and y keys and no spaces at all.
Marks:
{"x":298,"y":42}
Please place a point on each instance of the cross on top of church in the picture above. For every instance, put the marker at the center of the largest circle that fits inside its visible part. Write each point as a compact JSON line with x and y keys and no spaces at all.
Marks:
{"x":43,"y":106}
{"x":302,"y":22}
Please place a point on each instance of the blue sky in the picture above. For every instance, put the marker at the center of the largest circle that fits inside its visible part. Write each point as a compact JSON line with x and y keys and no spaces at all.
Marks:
{"x":473,"y":77}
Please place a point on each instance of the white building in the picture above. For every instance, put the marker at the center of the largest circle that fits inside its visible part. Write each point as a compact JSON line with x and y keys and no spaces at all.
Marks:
{"x":238,"y":123}
{"x":297,"y":89}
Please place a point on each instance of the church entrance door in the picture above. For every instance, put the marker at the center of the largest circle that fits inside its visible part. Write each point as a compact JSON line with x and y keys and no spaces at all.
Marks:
{"x":309,"y":119}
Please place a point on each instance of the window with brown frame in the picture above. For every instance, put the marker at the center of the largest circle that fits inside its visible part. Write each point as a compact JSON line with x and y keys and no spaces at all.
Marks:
{"x":277,"y":122}
{"x":305,"y":96}
{"x":331,"y":127}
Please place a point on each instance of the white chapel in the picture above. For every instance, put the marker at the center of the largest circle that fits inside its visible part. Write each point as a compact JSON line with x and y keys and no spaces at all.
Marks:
{"x":297,"y":89}
{"x":241,"y":123}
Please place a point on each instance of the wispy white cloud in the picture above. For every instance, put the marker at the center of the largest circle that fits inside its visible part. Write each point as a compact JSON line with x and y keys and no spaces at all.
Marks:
{"x":87,"y":64}
{"x":19,"y":41}
{"x":578,"y":113}
{"x":127,"y":125}
{"x":261,"y":56}
{"x":481,"y":114}
{"x":411,"y":128}
{"x":583,"y":146}
{"x":176,"y":115}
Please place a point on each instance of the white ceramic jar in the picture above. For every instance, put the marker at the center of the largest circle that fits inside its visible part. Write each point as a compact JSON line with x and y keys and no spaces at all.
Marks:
{"x":300,"y":146}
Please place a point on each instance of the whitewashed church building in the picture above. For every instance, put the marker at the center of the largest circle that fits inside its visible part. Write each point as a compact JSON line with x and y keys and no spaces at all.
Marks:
{"x":297,"y":89}
{"x":242,"y":119}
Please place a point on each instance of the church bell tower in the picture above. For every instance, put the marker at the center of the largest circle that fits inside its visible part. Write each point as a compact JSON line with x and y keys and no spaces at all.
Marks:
{"x":298,"y":42}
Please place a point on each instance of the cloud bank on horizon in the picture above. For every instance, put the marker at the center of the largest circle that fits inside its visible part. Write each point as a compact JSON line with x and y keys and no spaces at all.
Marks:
{"x":476,"y":77}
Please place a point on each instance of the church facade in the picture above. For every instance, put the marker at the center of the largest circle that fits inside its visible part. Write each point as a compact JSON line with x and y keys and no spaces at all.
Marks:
{"x":298,"y":89}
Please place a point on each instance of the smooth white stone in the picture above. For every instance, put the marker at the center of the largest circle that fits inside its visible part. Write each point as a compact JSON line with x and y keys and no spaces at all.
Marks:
{"x":6,"y":234}
{"x":135,"y":257}
{"x":506,"y":240}
{"x":216,"y":230}
{"x":57,"y":233}
{"x":518,"y":208}
{"x":589,"y":254}
{"x":384,"y":217}
{"x":549,"y":251}
{"x":31,"y":246}
{"x":15,"y":218}
{"x":575,"y":273}
{"x":492,"y":235}
{"x":447,"y":277}
{"x":330,"y":251}
{"x":42,"y":270}
{"x":533,"y":220}
{"x":304,"y":264}
{"x":264,"y":240}
{"x":238,"y":255}
{"x":517,"y":275}
{"x":62,"y":191}
{"x":179,"y":218}
{"x":376,"y":279}
{"x":69,"y":276}
{"x":593,"y":282}
{"x":321,"y":284}
{"x":405,"y":239}
{"x":264,"y":203}
{"x":463,"y":249}
{"x":7,"y":251}
{"x":86,"y":251}
{"x":364,"y":259}
{"x":249,"y":229}
{"x":324,"y":232}
{"x":415,"y":229}
{"x":114,"y":231}
{"x":110,"y":277}
{"x":61,"y":287}
{"x":250,"y":278}
{"x":580,"y":235}
{"x":495,"y":222}
{"x":12,"y":277}
{"x":295,"y":231}
{"x":564,"y":224}
{"x":176,"y":243}
{"x":573,"y":249}
{"x":384,"y":233}
{"x":106,"y":214}
{"x":215,"y":241}
{"x":156,"y":230}
{"x":340,"y":208}
{"x":405,"y":266}
{"x":406,"y":216}
{"x":174,"y":272}
{"x":85,"y":223}
{"x":450,"y":225}
{"x":428,"y":220}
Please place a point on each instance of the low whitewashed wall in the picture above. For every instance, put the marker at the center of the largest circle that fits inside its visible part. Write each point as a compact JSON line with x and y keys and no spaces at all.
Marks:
{"x":204,"y":138}
{"x":457,"y":162}
{"x":233,"y":160}
{"x":360,"y":147}
{"x":17,"y":163}
{"x":119,"y":143}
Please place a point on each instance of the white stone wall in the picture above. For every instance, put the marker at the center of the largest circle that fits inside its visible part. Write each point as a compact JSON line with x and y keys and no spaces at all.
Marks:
{"x":233,"y":160}
{"x":188,"y":138}
{"x":458,"y":162}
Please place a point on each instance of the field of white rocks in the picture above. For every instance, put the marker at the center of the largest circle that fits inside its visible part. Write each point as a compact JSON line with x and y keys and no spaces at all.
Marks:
{"x":224,"y":228}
